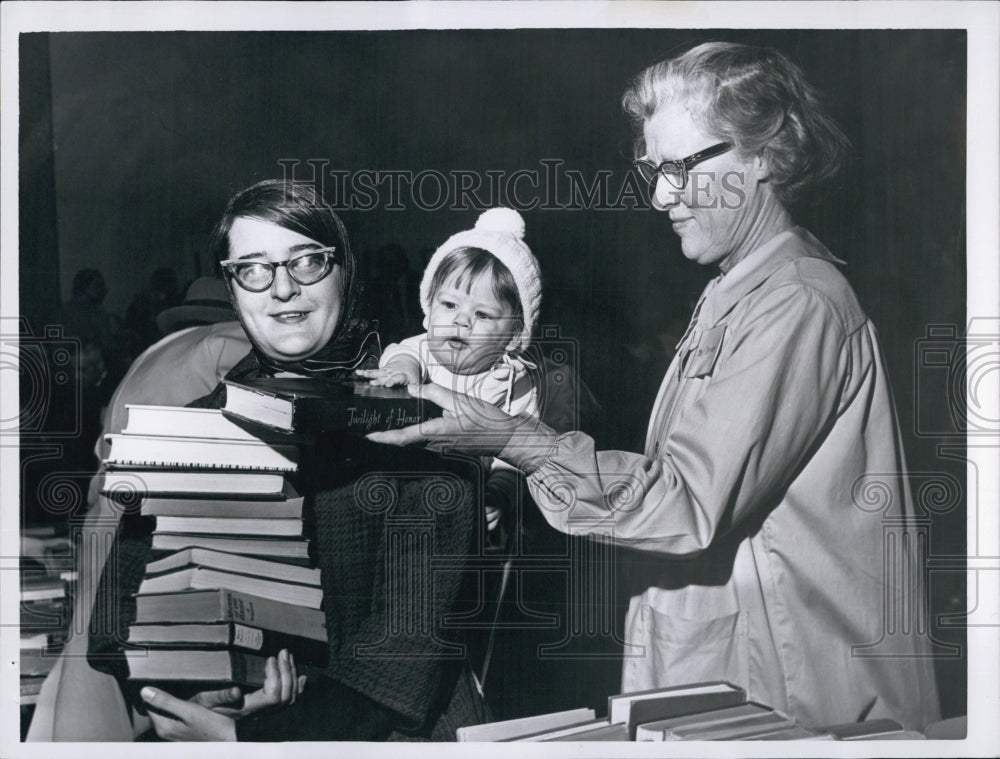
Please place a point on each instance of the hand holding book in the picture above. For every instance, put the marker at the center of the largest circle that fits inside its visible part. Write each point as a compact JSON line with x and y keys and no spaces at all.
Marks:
{"x":476,"y":428}
{"x":212,"y":715}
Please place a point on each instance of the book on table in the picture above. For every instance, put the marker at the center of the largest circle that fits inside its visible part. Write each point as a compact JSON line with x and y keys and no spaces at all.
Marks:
{"x":793,"y":733}
{"x":139,"y":451}
{"x":219,"y":667}
{"x":315,"y":405}
{"x":135,"y":483}
{"x":867,"y":730}
{"x":662,"y":703}
{"x":259,"y":640}
{"x":573,"y":729}
{"x":275,"y":549}
{"x":511,"y":728}
{"x":224,"y":605}
{"x":661,"y":730}
{"x":607,"y":732}
{"x":750,"y":725}
{"x":288,"y":508}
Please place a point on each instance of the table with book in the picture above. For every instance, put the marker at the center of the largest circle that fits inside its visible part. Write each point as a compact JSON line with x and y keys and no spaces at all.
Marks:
{"x":709,"y":711}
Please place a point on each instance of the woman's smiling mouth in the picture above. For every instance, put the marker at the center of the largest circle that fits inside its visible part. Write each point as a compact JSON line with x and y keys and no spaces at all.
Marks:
{"x":290,"y":317}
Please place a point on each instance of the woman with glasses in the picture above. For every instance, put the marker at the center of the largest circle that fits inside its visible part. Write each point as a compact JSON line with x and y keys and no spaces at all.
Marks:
{"x":769,"y":511}
{"x":393,"y":673}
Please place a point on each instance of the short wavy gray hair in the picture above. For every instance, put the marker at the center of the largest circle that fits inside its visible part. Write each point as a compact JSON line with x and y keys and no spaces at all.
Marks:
{"x":755,"y":98}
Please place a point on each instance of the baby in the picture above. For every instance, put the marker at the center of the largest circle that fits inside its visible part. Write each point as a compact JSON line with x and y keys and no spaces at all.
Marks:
{"x":481,"y":293}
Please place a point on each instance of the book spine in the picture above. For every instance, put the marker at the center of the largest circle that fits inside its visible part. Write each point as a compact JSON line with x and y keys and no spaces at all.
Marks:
{"x":282,"y":618}
{"x":656,"y":709}
{"x":270,"y":642}
{"x":248,"y":669}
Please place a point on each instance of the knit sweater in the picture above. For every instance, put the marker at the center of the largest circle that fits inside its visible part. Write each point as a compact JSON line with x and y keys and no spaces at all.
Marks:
{"x":381,"y":517}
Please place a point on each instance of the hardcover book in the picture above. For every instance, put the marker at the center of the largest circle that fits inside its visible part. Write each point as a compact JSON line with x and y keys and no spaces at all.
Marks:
{"x":183,"y":421}
{"x":223,"y":605}
{"x":138,"y":451}
{"x":230,"y":635}
{"x":290,"y":508}
{"x":275,"y":549}
{"x":202,"y":557}
{"x":135,"y":483}
{"x":663,"y":729}
{"x":194,"y":578}
{"x":314,"y":405}
{"x":264,"y":527}
{"x":220,"y":667}
{"x":661,"y":703}
{"x":512,"y":728}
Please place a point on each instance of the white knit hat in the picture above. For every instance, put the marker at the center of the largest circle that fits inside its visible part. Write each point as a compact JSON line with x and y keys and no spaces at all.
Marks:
{"x":499,"y":231}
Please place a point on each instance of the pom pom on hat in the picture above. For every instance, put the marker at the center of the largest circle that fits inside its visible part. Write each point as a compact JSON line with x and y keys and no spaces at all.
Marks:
{"x":503,"y":220}
{"x":500,"y":231}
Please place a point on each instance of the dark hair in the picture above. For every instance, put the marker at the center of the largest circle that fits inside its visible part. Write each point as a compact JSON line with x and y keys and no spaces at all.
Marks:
{"x":467,"y":264}
{"x":755,"y":98}
{"x":300,"y":208}
{"x":84,"y":278}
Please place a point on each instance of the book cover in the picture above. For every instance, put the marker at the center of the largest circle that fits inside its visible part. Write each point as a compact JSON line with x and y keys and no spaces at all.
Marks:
{"x":853,"y":730}
{"x":794,"y":733}
{"x":511,"y":728}
{"x":283,"y":528}
{"x":220,"y":667}
{"x":194,"y":578}
{"x":136,"y":483}
{"x":741,"y":728}
{"x":289,"y":508}
{"x":675,"y":706}
{"x":203,"y":557}
{"x":230,"y":635}
{"x":675,"y":701}
{"x":183,"y":421}
{"x":223,"y":605}
{"x":274,"y":549}
{"x":616,"y":732}
{"x":315,"y":405}
{"x":658,"y":730}
{"x":138,"y":451}
{"x":548,"y":735}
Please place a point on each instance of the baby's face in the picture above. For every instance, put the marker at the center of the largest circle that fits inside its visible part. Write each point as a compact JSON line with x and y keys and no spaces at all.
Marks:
{"x":468,"y":329}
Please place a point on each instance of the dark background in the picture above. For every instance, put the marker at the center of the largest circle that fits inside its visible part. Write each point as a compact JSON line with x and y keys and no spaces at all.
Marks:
{"x":131,"y":143}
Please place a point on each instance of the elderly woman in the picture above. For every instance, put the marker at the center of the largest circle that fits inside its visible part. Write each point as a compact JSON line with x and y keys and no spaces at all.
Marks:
{"x":393,"y":673}
{"x":756,"y":560}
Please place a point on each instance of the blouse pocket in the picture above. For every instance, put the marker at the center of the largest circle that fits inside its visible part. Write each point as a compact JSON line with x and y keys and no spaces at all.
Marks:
{"x":679,"y":650}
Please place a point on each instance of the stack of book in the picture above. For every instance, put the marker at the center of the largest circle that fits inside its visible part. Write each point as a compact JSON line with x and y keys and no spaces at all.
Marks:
{"x":47,"y":584}
{"x":710,"y":711}
{"x":236,"y":584}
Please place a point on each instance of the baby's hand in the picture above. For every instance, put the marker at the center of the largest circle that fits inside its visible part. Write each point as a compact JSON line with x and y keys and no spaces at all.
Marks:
{"x":391,"y":375}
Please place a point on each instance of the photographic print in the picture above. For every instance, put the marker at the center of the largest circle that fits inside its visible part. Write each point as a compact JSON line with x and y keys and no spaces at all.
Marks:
{"x":496,"y":372}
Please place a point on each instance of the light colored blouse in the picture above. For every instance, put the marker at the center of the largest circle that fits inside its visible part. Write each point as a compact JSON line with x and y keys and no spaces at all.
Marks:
{"x":779,"y":548}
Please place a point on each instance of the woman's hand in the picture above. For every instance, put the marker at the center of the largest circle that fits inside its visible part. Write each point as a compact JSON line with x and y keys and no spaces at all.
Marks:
{"x":282,"y":684}
{"x":475,"y":428}
{"x":178,"y":720}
